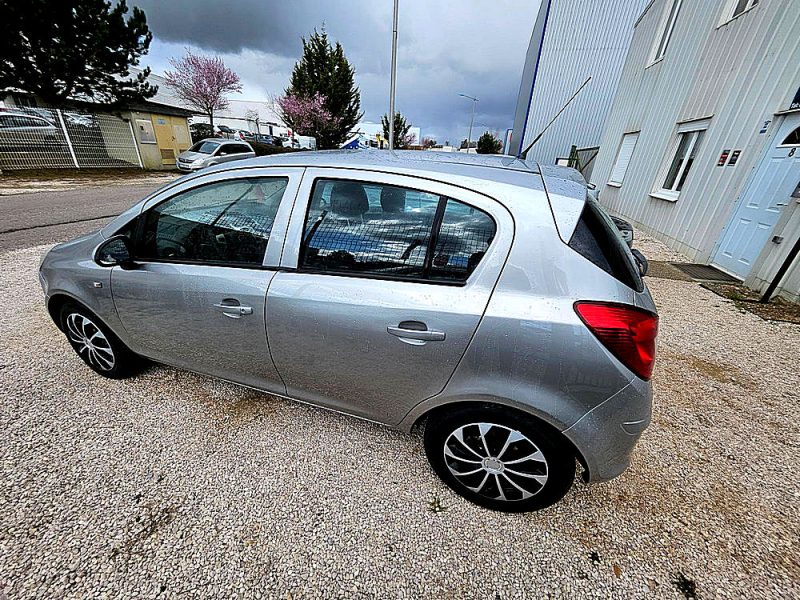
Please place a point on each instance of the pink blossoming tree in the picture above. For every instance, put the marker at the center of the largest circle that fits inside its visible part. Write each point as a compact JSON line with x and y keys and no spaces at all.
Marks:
{"x":203,"y":82}
{"x":305,"y":116}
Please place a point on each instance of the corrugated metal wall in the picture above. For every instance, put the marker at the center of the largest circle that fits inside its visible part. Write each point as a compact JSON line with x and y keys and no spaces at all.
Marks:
{"x":583,"y":38}
{"x":741,"y":72}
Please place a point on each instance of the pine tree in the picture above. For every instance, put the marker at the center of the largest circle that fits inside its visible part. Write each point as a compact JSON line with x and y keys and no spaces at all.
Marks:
{"x":74,"y":49}
{"x":488,"y":144}
{"x":402,"y":139}
{"x":323,"y":69}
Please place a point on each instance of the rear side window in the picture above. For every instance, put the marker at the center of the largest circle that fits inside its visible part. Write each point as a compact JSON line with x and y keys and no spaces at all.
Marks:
{"x":596,"y":238}
{"x":465,"y":234}
{"x":387,"y":231}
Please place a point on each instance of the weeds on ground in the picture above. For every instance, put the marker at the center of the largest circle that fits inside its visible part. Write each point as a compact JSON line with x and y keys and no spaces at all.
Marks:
{"x":435,"y":504}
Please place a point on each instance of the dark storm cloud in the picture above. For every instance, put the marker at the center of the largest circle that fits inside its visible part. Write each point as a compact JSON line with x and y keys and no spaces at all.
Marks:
{"x":445,"y":47}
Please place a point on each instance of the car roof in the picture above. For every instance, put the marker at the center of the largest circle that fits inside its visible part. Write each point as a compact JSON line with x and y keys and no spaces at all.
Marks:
{"x":221,"y":141}
{"x":501,"y":168}
{"x":12,"y":113}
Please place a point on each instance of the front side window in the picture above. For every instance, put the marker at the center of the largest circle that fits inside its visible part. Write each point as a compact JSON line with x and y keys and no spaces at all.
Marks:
{"x":665,"y":29}
{"x":388,"y":231}
{"x":226,"y":223}
{"x":688,"y":145}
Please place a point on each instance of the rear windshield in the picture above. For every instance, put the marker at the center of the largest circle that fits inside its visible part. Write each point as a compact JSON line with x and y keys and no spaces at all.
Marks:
{"x":204,"y":147}
{"x":597,"y":239}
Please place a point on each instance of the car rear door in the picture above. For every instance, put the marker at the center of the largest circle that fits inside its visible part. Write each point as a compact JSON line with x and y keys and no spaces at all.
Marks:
{"x":205,"y":254}
{"x":384,"y":280}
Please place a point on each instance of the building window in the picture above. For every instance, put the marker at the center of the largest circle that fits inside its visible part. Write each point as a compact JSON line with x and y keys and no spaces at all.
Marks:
{"x":666,"y":27}
{"x":624,"y":155}
{"x":684,"y":151}
{"x":734,"y":8}
{"x":24,"y":101}
{"x":793,"y":139}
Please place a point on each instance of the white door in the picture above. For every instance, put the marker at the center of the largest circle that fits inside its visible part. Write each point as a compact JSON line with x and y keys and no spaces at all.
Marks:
{"x":767,"y":192}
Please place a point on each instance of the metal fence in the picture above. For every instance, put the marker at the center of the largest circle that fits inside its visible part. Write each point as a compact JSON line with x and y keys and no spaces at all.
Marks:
{"x":44,"y":138}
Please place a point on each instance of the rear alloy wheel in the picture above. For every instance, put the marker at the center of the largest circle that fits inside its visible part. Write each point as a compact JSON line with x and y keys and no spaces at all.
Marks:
{"x":499,"y":458}
{"x":97,"y":345}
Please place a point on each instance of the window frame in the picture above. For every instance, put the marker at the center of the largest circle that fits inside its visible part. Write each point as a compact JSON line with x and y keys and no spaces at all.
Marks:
{"x":664,"y":31}
{"x":433,"y":238}
{"x":503,"y":222}
{"x":280,"y":224}
{"x":692,"y":128}
{"x":612,"y":182}
{"x":729,"y":11}
{"x":783,"y":143}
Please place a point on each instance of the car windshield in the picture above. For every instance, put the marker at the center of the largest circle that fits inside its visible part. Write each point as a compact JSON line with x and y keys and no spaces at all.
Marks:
{"x":204,"y":147}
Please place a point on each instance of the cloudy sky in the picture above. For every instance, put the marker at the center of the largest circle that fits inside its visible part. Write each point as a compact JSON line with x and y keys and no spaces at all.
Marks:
{"x":444,"y":47}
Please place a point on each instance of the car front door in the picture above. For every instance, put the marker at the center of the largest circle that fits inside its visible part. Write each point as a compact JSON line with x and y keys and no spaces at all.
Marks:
{"x":195,"y":297}
{"x":384,"y":281}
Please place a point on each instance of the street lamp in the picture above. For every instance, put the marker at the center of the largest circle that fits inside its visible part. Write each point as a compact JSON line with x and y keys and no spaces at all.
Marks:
{"x":469,"y":136}
{"x":393,"y":84}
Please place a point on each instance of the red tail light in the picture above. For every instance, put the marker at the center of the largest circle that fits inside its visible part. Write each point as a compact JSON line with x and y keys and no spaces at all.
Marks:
{"x":627,"y":332}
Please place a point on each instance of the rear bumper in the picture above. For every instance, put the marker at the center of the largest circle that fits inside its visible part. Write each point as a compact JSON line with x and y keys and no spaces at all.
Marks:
{"x":606,"y":435}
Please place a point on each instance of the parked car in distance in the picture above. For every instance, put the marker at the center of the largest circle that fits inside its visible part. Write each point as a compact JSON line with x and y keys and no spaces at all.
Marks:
{"x":446,"y":291}
{"x":265,"y":138}
{"x":289,"y":142}
{"x":306,"y":142}
{"x":24,"y":132}
{"x":213,"y":151}
{"x":225,"y":130}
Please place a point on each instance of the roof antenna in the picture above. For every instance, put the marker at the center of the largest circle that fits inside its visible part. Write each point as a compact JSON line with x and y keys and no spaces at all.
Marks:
{"x":524,"y":153}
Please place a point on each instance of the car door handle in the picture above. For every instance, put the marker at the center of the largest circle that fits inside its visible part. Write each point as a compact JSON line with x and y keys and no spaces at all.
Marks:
{"x":234,"y":311}
{"x":423,"y":335}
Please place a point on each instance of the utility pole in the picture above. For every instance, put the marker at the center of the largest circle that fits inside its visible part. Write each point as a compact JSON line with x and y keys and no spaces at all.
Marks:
{"x":472,"y":119}
{"x":394,"y":76}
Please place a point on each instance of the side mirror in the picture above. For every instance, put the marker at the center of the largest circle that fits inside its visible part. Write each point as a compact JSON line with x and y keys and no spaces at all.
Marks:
{"x":641,"y":261}
{"x":114,"y":252}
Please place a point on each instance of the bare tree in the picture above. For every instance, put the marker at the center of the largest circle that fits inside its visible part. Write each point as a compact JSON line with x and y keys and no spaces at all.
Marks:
{"x":203,"y":82}
{"x":251,"y":114}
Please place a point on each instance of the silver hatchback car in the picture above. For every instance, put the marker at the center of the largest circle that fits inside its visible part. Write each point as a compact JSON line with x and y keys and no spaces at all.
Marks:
{"x":489,"y":299}
{"x":213,"y":151}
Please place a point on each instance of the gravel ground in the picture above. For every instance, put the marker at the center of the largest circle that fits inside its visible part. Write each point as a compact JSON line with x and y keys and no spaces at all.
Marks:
{"x":175,"y":485}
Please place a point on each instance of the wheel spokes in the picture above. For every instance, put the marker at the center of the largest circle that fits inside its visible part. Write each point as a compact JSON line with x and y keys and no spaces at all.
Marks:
{"x":90,"y":342}
{"x":469,"y":456}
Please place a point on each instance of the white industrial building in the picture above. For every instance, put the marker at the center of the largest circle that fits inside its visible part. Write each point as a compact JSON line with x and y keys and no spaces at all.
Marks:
{"x":255,"y":116}
{"x":572,"y":40}
{"x":702,"y":146}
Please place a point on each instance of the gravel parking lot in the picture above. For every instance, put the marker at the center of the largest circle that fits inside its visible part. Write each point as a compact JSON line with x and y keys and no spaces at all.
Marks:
{"x":175,"y":485}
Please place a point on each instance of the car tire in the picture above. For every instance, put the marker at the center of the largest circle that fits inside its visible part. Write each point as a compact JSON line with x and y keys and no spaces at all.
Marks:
{"x":96,"y":344}
{"x":499,"y":458}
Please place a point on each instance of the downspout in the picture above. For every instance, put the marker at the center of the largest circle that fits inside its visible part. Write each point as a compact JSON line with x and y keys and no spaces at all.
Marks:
{"x":776,"y":281}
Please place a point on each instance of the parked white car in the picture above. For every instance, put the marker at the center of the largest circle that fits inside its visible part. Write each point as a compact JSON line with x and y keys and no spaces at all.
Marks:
{"x":306,"y":142}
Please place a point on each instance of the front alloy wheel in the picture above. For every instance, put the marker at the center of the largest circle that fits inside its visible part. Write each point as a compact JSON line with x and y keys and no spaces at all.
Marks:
{"x":96,"y":344}
{"x":90,"y":342}
{"x":499,"y":458}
